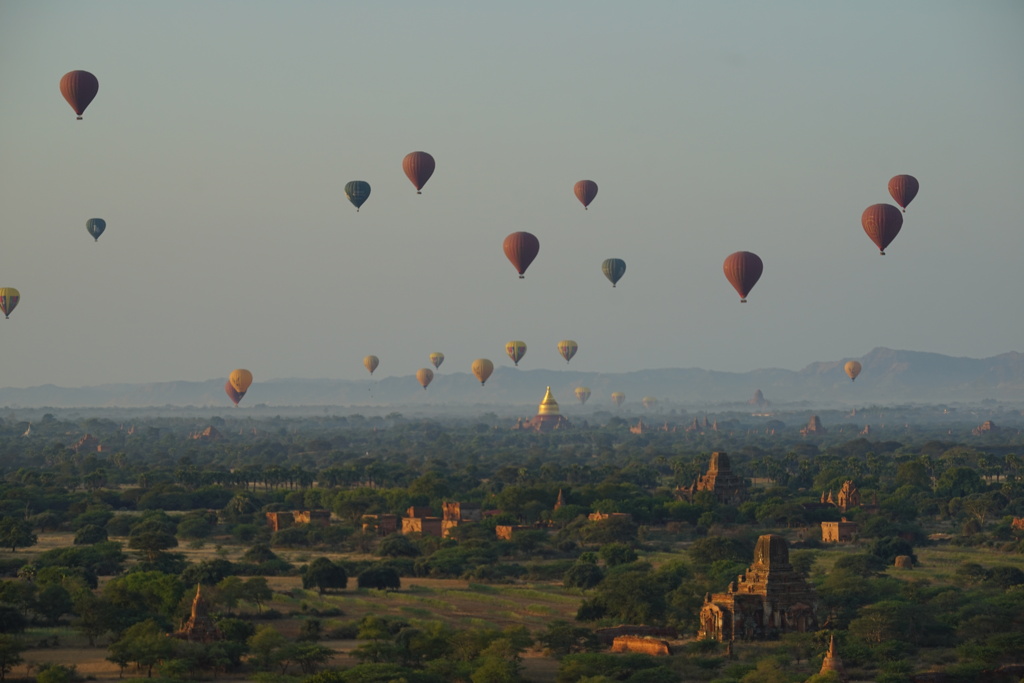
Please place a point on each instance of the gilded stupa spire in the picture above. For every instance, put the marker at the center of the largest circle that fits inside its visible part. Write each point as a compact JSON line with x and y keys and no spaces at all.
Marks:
{"x":548,"y":406}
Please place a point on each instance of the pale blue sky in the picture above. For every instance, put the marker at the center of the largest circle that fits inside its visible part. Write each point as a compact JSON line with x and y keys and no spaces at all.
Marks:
{"x":224,"y":132}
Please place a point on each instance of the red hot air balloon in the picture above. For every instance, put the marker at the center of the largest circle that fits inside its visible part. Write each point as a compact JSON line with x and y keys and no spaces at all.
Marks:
{"x":585,"y":191}
{"x":418,"y":167}
{"x":882,"y":222}
{"x":903,"y":189}
{"x":233,"y":393}
{"x":521,"y":248}
{"x":743,"y":270}
{"x":79,"y":88}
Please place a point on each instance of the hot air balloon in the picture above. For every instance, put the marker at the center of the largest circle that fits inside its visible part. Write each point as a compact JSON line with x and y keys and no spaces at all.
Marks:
{"x":613,"y":269}
{"x":9,"y":298}
{"x":853,"y":369}
{"x":516,"y":350}
{"x":96,"y":226}
{"x":521,"y":248}
{"x":418,"y":167}
{"x":234,"y":395}
{"x":79,"y":88}
{"x":371,"y":363}
{"x":582,"y":393}
{"x":482,"y":368}
{"x":357,"y":191}
{"x":424,"y":376}
{"x":882,"y":222}
{"x":743,"y":270}
{"x":568,"y":348}
{"x":618,"y":397}
{"x":903,"y":189}
{"x":437,"y":358}
{"x":240,"y":379}
{"x":648,"y":401}
{"x":585,"y":191}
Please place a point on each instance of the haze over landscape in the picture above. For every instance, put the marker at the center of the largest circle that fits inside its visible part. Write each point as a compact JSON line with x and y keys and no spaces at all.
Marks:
{"x":223,"y":134}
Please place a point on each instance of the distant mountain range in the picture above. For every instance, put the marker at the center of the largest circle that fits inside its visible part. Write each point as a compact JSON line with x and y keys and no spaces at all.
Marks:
{"x":888,"y":377}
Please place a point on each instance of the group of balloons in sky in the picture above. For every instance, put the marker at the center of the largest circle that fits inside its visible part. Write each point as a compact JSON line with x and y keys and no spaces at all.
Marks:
{"x":743,"y":269}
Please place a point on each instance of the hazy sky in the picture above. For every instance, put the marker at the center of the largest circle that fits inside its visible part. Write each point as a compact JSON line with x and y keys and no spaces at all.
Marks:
{"x":224,"y":132}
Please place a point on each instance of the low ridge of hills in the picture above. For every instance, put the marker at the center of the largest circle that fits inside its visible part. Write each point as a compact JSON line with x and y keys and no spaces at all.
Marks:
{"x":888,"y":377}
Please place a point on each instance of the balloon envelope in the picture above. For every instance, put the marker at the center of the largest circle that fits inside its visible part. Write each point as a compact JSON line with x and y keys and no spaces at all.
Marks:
{"x":853,"y":369}
{"x":582,"y":393}
{"x":743,"y":270}
{"x":613,"y":269}
{"x":648,"y":401}
{"x":903,"y":189}
{"x":585,"y":191}
{"x":232,"y":393}
{"x":371,"y":363}
{"x":482,"y":369}
{"x":568,"y":348}
{"x":516,"y":350}
{"x":437,"y":358}
{"x":96,"y":226}
{"x":357,"y":191}
{"x":618,"y":397}
{"x":521,"y":248}
{"x":240,"y":379}
{"x":79,"y":88}
{"x":9,"y":298}
{"x":424,"y":376}
{"x":882,"y":222}
{"x":418,"y":167}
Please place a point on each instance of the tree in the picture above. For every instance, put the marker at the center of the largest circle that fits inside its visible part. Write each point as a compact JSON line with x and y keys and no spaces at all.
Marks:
{"x":323,"y":574}
{"x":257,"y":591}
{"x":583,"y":575}
{"x":10,"y":654}
{"x":89,"y":534}
{"x":16,"y":533}
{"x":381,"y":578}
{"x":144,"y":643}
{"x":562,"y":638}
{"x":152,"y":542}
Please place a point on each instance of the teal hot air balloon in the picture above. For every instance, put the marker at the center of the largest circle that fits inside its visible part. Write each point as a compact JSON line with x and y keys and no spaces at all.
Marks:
{"x":357,"y":191}
{"x":96,"y":226}
{"x":613,"y":269}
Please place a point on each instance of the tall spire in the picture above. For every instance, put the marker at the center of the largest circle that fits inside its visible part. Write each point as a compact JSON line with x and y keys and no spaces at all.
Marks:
{"x":832,"y":662}
{"x":548,"y":406}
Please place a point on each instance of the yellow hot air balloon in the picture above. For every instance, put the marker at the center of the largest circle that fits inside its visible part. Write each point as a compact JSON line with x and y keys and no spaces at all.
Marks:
{"x":240,"y":379}
{"x":9,"y":298}
{"x":371,"y":363}
{"x":437,"y":358}
{"x":582,"y":393}
{"x":648,"y":401}
{"x":567,"y":347}
{"x":424,"y":376}
{"x":516,"y":350}
{"x":618,"y":397}
{"x":482,"y":368}
{"x":853,"y":369}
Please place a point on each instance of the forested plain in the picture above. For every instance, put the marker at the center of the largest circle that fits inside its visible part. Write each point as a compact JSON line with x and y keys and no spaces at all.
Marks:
{"x":106,"y":540}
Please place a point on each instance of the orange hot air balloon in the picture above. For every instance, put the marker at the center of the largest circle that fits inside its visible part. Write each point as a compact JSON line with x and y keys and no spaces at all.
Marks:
{"x":240,"y":379}
{"x":585,"y":191}
{"x":568,"y":348}
{"x":234,"y":395}
{"x":9,"y":298}
{"x":482,"y":368}
{"x":371,"y":363}
{"x":521,"y":248}
{"x":903,"y":189}
{"x":437,"y":358}
{"x":79,"y":88}
{"x":853,"y":369}
{"x":618,"y":397}
{"x":582,"y":393}
{"x":743,"y":270}
{"x":418,"y":167}
{"x":516,"y":350}
{"x":882,"y":222}
{"x":424,"y":376}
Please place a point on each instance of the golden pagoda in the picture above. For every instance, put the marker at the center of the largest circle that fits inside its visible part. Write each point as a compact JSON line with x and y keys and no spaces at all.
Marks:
{"x":548,"y":416}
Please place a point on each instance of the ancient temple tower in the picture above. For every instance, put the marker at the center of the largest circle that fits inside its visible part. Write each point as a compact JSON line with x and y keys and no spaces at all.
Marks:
{"x":200,"y":627}
{"x":548,"y":416}
{"x":832,"y":662}
{"x":728,"y":488}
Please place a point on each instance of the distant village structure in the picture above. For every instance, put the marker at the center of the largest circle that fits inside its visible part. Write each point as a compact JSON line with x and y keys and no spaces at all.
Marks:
{"x":727,"y":487}
{"x":839,"y":532}
{"x":284,"y":520}
{"x":421,"y":520}
{"x":769,"y":600}
{"x":548,"y":417}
